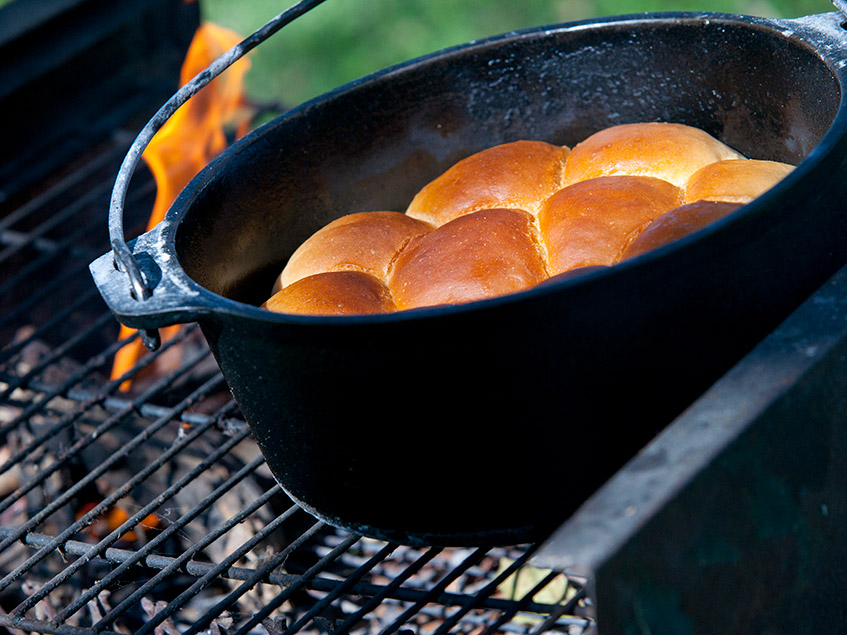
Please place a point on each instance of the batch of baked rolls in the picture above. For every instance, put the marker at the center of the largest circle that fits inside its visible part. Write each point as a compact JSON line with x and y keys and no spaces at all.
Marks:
{"x":515,"y":215}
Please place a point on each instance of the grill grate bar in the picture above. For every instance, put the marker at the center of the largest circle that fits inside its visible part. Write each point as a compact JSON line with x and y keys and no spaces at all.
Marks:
{"x":104,"y":397}
{"x":52,"y":250}
{"x":557,"y":615}
{"x":276,"y":602}
{"x":57,"y":218}
{"x":39,"y":626}
{"x":153,"y":411}
{"x":474,"y":558}
{"x":260,"y":574}
{"x":348,"y":583}
{"x":410,"y":557}
{"x":100,"y":160}
{"x":25,"y":274}
{"x":334,"y":588}
{"x":185,"y":563}
{"x":59,"y":351}
{"x":227,"y":562}
{"x":525,"y":603}
{"x":43,"y":292}
{"x":475,"y":600}
{"x":110,"y":423}
{"x":40,"y":402}
{"x":142,"y":513}
{"x":388,"y":591}
{"x":142,"y":557}
{"x":50,"y":247}
{"x":90,"y":516}
{"x":60,"y":316}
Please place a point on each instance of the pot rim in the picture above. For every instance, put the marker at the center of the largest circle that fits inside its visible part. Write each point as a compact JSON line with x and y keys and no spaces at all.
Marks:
{"x":812,"y":32}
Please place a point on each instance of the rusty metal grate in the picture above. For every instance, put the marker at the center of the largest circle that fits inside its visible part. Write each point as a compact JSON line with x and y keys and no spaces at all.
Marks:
{"x":152,"y":511}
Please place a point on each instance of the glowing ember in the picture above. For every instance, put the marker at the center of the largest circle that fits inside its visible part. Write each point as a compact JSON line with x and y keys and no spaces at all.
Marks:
{"x":114,"y":518}
{"x":192,"y":137}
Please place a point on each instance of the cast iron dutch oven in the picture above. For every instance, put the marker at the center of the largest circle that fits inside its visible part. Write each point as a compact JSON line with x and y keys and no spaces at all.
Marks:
{"x":490,"y":422}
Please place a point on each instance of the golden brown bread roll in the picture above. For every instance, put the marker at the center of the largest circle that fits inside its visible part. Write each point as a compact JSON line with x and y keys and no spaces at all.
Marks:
{"x":333,"y":293}
{"x":677,"y":223}
{"x":521,"y":213}
{"x":734,"y":180}
{"x":480,"y":255}
{"x":365,"y":241}
{"x":518,"y":175}
{"x":591,"y":222}
{"x":668,"y":151}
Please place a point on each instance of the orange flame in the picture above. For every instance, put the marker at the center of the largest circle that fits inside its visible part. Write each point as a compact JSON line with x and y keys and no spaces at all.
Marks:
{"x":113,"y":518}
{"x":192,"y":137}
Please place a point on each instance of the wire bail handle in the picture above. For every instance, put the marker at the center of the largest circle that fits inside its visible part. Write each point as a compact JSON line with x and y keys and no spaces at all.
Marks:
{"x":124,"y":258}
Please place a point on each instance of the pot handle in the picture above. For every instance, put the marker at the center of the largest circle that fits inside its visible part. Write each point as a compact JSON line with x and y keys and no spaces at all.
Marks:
{"x":123,"y":259}
{"x":159,"y":293}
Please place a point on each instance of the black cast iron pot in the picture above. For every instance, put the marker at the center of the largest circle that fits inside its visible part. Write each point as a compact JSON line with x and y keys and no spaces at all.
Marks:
{"x":490,"y":422}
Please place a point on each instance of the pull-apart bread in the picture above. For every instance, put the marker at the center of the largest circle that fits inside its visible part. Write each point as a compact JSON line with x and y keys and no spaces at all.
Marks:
{"x":513,"y":216}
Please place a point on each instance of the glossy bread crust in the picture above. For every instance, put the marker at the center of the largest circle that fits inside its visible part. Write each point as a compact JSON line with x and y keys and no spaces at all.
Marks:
{"x":516,"y":215}
{"x":517,"y":175}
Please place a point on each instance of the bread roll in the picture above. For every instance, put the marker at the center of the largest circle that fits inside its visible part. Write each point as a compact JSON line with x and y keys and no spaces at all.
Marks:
{"x":518,"y":175}
{"x":522,"y":213}
{"x":333,"y":293}
{"x":365,"y":241}
{"x":668,"y":151}
{"x":591,"y":222}
{"x":677,"y":223}
{"x":734,"y":180}
{"x":479,"y":255}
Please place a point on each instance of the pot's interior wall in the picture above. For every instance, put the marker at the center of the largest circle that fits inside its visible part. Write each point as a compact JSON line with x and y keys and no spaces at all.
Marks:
{"x":373,"y":146}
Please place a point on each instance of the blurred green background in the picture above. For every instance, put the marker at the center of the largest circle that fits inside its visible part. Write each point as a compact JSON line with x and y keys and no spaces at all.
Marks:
{"x":342,"y":40}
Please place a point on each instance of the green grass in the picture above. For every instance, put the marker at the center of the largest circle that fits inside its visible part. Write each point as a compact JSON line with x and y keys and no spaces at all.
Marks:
{"x":342,"y":40}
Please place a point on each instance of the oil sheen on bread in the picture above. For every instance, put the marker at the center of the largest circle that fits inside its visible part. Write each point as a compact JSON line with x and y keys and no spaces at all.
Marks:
{"x":519,"y":214}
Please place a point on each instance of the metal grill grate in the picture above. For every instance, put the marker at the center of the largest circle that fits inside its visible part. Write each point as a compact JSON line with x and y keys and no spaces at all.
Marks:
{"x":152,"y":511}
